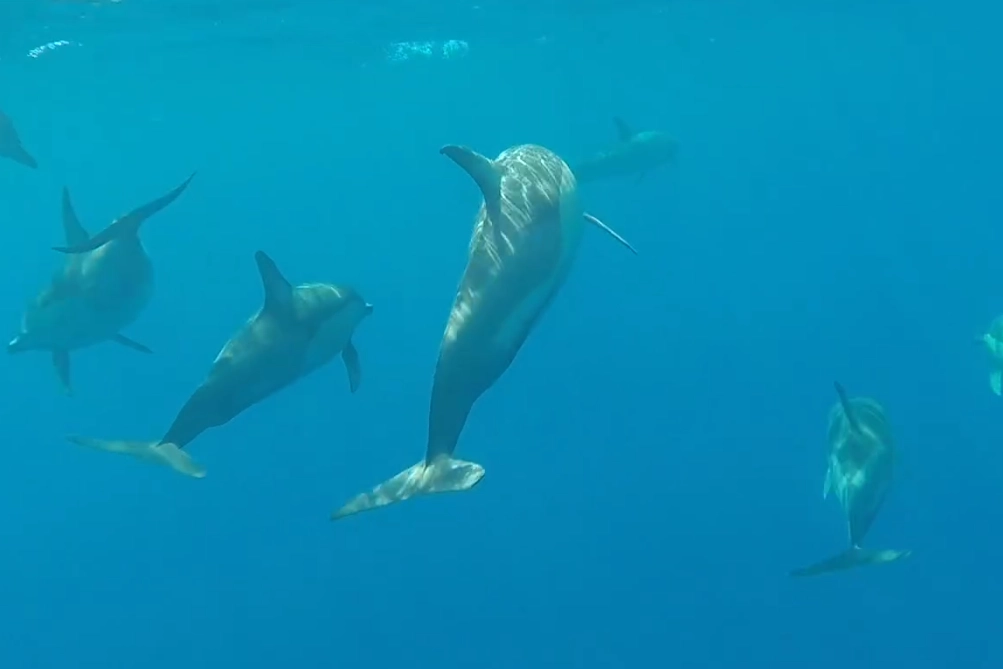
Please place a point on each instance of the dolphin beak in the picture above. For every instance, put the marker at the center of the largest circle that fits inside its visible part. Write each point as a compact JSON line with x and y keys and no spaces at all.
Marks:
{"x":14,"y":345}
{"x":369,"y":308}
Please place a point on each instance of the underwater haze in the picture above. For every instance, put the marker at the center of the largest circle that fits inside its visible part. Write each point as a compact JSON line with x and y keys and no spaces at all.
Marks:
{"x":656,"y":453}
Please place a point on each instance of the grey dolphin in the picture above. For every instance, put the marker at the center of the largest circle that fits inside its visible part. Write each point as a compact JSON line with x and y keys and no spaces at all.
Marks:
{"x":103,"y":286}
{"x":10,"y":144}
{"x":861,"y":467}
{"x":525,"y":238}
{"x":296,"y":331}
{"x":993,"y":341}
{"x":635,"y":153}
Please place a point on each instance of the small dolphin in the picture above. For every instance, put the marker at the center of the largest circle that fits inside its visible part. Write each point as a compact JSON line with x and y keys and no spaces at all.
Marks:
{"x":296,"y":331}
{"x":861,"y":464}
{"x":524,"y":241}
{"x":10,"y":144}
{"x":994,"y":342}
{"x":105,"y":283}
{"x":636,"y":153}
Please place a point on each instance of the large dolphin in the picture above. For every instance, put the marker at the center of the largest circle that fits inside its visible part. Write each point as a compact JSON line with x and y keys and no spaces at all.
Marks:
{"x":524,"y":241}
{"x":103,"y":286}
{"x":861,"y":464}
{"x":636,"y":153}
{"x":296,"y":331}
{"x":10,"y":144}
{"x":994,"y":343}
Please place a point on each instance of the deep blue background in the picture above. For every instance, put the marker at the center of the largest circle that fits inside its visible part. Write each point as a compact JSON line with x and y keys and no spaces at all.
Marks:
{"x":655,"y":455}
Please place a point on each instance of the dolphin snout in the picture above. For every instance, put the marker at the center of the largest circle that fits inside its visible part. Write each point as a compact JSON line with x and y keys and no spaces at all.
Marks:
{"x":369,"y":308}
{"x":15,"y":345}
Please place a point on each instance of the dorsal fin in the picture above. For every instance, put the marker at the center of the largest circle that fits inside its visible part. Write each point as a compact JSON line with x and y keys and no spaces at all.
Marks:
{"x":278,"y":291}
{"x":483,"y":170}
{"x":75,"y":233}
{"x":128,"y":225}
{"x":844,"y":401}
{"x":622,"y":129}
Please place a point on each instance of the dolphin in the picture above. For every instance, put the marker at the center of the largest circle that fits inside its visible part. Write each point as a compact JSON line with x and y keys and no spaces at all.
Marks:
{"x":296,"y":331}
{"x":103,"y":286}
{"x":994,"y":343}
{"x":635,"y":153}
{"x":861,"y":463}
{"x":525,"y":238}
{"x":10,"y":144}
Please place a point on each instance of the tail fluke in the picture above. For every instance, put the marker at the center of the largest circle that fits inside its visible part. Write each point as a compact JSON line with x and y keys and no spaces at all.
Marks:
{"x":150,"y":451}
{"x":854,"y":557}
{"x":128,"y":225}
{"x":444,"y":474}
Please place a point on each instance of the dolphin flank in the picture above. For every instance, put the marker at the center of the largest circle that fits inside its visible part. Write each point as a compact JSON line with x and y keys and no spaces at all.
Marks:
{"x":525,"y":238}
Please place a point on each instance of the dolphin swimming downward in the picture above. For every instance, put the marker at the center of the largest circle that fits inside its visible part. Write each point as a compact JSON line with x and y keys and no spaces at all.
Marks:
{"x":861,"y":464}
{"x":10,"y":144}
{"x":296,"y":331}
{"x":525,"y":237}
{"x":635,"y":153}
{"x":105,"y":283}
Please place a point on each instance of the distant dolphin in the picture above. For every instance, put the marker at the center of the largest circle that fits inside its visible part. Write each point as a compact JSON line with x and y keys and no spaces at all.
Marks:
{"x":994,"y":343}
{"x":296,"y":331}
{"x":861,"y":464}
{"x":105,"y":283}
{"x":636,"y":153}
{"x":10,"y":144}
{"x":525,"y":238}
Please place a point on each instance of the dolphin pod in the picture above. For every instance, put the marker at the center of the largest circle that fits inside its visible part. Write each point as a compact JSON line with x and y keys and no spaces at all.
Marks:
{"x":296,"y":331}
{"x":860,"y":473}
{"x":10,"y":144}
{"x":105,"y":283}
{"x":525,"y":238}
{"x":634,"y":154}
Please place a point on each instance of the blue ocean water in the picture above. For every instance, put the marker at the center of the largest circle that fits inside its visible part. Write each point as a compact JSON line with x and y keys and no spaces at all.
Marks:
{"x":655,"y":455}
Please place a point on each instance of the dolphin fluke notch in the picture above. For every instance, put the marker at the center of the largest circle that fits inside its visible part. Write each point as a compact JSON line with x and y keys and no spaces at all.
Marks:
{"x":482,"y":170}
{"x":149,"y":451}
{"x":128,"y":225}
{"x":854,"y":557}
{"x":444,"y":474}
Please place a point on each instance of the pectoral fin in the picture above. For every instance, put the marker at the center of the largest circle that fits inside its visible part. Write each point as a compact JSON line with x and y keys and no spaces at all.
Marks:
{"x":827,"y":486}
{"x":351,"y":357}
{"x":130,"y":343}
{"x":61,"y":361}
{"x":609,"y":231}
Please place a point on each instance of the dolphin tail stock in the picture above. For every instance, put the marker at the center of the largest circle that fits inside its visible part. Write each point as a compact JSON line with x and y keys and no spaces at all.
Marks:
{"x":589,"y":218}
{"x":128,"y":225}
{"x":149,"y":451}
{"x":848,"y":559}
{"x":443,"y":474}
